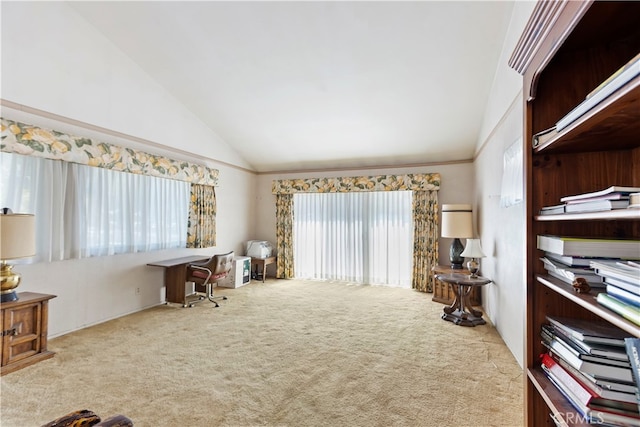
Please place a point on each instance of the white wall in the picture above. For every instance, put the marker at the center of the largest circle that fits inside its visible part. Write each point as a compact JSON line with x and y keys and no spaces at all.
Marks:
{"x":455,"y":187}
{"x":502,"y":229}
{"x":53,"y":60}
{"x":55,"y":64}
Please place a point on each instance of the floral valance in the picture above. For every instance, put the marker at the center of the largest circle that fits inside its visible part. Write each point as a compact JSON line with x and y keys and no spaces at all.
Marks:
{"x":31,"y":140}
{"x":409,"y":182}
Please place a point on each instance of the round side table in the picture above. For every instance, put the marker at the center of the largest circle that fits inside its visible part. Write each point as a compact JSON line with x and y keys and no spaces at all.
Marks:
{"x":460,"y":311}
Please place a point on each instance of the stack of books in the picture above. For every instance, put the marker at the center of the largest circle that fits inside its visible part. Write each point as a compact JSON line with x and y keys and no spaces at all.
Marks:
{"x":589,"y":247}
{"x":614,"y":197}
{"x":568,"y":273}
{"x":589,"y":364}
{"x":622,"y":285}
{"x":633,"y":351}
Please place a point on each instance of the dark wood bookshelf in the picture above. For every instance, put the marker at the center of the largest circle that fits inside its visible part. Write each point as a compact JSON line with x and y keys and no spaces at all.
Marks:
{"x":567,"y":50}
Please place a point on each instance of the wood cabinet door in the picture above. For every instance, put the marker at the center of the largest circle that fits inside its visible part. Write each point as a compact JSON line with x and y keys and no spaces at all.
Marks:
{"x":21,"y":332}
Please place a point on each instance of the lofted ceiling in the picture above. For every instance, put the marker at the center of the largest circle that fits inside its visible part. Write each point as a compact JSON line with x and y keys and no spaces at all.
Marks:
{"x":299,"y":85}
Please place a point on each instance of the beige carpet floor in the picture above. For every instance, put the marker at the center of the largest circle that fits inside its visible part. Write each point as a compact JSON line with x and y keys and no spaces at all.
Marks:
{"x":282,"y":353}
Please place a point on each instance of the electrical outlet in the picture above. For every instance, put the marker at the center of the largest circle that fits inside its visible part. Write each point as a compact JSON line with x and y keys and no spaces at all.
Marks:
{"x":137,"y":291}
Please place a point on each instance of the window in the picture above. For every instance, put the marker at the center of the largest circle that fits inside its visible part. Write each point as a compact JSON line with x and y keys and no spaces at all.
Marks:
{"x":364,"y":237}
{"x":84,"y":211}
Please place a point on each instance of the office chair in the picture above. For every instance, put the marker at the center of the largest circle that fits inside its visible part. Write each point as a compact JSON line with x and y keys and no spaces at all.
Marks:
{"x":206,"y":273}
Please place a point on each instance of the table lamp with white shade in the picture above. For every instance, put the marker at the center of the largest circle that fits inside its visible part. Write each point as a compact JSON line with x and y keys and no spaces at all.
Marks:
{"x":17,"y":240}
{"x":473,"y":251}
{"x":457,"y":223}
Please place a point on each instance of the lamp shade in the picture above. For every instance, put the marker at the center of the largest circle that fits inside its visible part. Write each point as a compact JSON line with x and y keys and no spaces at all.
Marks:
{"x":457,"y":221}
{"x":17,"y":236}
{"x":473,"y":249}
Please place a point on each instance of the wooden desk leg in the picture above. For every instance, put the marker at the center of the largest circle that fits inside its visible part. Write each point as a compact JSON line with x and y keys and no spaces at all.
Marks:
{"x":174,"y":282}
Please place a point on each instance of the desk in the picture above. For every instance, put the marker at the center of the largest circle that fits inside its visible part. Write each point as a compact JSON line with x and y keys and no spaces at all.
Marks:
{"x":175,"y":276}
{"x":262,"y":262}
{"x":462,"y":286}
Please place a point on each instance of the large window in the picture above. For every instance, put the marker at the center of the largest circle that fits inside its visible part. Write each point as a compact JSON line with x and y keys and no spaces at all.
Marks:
{"x":362,"y":237}
{"x":84,"y":211}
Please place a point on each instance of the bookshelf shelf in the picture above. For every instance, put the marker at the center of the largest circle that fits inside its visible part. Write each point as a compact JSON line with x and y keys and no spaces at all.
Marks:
{"x":567,"y":50}
{"x":588,"y":302}
{"x":557,"y":403}
{"x":615,"y":120}
{"x":616,"y":214}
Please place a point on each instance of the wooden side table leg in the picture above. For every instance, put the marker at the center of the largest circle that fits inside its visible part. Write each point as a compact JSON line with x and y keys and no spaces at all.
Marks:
{"x":457,"y":302}
{"x":467,"y":302}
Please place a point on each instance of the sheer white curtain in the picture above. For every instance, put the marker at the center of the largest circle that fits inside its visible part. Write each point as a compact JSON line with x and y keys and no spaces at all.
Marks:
{"x":362,"y":237}
{"x":84,"y":211}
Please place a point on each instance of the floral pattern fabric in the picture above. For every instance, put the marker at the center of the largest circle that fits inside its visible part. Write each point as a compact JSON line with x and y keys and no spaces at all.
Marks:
{"x":31,"y":140}
{"x":284,"y":236}
{"x":201,"y":230}
{"x":425,"y":215}
{"x":425,"y":239}
{"x":415,"y":182}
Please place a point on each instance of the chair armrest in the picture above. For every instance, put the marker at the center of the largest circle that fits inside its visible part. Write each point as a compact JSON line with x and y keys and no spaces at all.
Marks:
{"x":197,"y":267}
{"x":203,"y":262}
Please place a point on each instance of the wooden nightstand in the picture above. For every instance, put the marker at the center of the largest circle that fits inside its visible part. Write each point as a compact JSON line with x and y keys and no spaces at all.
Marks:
{"x":24,"y":325}
{"x":443,"y":293}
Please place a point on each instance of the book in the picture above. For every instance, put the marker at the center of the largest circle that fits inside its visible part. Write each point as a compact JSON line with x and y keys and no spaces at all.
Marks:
{"x":549,"y":333}
{"x":624,"y":392}
{"x":552,"y":210}
{"x":596,"y":206}
{"x":634,"y":201}
{"x":629,"y":71}
{"x":598,"y":370}
{"x":570,"y":274}
{"x":589,"y":247}
{"x":618,"y":270}
{"x":601,"y":350}
{"x":586,"y":397}
{"x":596,"y":414}
{"x":610,"y":196}
{"x":624,"y":296}
{"x":602,"y":383}
{"x":597,"y":332}
{"x":628,"y":311}
{"x":622,"y":190}
{"x":622,"y":284}
{"x":632,"y":346}
{"x":573,"y":261}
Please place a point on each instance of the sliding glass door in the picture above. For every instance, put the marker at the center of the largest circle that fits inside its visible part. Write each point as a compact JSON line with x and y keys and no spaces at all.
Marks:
{"x":361,"y":237}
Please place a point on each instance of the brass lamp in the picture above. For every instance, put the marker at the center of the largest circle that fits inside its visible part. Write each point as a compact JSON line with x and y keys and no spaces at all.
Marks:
{"x":17,"y":240}
{"x":457,"y":223}
{"x":473,"y":251}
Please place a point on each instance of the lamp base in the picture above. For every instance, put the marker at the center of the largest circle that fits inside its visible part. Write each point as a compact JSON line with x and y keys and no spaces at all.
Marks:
{"x":8,"y":297}
{"x":473,"y":266}
{"x":454,"y":254}
{"x":9,"y":281}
